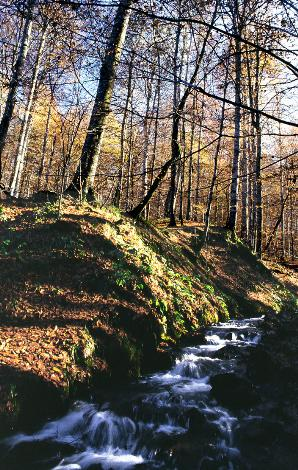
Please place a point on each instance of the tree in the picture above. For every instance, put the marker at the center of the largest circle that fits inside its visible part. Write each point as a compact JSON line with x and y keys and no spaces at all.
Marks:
{"x":84,"y":177}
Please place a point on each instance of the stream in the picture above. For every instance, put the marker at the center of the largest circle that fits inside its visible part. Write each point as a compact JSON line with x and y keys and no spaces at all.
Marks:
{"x":168,"y":420}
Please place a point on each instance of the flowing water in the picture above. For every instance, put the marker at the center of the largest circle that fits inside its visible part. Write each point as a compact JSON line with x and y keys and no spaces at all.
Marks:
{"x":167,"y":420}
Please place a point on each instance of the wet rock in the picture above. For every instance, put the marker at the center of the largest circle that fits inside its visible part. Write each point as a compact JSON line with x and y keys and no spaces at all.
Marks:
{"x":259,"y":432}
{"x":233,"y":391}
{"x":95,"y":466}
{"x":162,"y":360}
{"x":209,"y":464}
{"x":228,"y":352}
{"x":261,"y":366}
{"x":193,"y":338}
{"x":199,"y":424}
{"x":34,"y":454}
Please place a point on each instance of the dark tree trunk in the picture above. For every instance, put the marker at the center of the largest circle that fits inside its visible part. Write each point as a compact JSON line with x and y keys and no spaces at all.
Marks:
{"x":85,"y":174}
{"x":231,"y":223}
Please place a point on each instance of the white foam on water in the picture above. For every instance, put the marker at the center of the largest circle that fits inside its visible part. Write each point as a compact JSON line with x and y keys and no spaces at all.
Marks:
{"x":211,"y":347}
{"x":119,"y":442}
{"x":170,"y":429}
{"x":193,"y":386}
{"x":71,"y":466}
{"x":187,"y":369}
{"x":111,"y":459}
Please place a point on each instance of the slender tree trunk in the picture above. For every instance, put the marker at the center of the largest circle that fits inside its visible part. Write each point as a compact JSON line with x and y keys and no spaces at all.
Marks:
{"x":258,"y":195}
{"x":282,"y":222}
{"x":129,"y":179}
{"x":231,"y":223}
{"x":175,"y":133}
{"x":44,"y":147}
{"x":277,"y":223}
{"x":244,"y":189}
{"x":215,"y":166}
{"x":198,"y":179}
{"x":16,"y":77}
{"x":258,"y":180}
{"x":123,"y":135}
{"x":176,"y":153}
{"x":154,"y":156}
{"x":25,"y":130}
{"x":190,"y":165}
{"x":146,"y":128}
{"x":86,"y":171}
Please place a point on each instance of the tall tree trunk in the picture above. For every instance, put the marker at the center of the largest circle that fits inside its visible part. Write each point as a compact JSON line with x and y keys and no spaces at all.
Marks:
{"x":190,"y":165}
{"x":25,"y":130}
{"x":16,"y":77}
{"x":215,"y":165}
{"x":175,"y":132}
{"x":282,"y":222}
{"x":154,"y":156}
{"x":176,"y":154}
{"x":198,"y":179}
{"x":258,"y":195}
{"x":123,"y":135}
{"x":244,"y":188}
{"x":85,"y":174}
{"x":258,"y":180}
{"x":231,"y":222}
{"x":44,"y":146}
{"x":129,"y":181}
{"x":146,"y":128}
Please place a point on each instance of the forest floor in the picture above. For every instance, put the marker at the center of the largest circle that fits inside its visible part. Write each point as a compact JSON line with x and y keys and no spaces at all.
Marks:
{"x":93,"y":297}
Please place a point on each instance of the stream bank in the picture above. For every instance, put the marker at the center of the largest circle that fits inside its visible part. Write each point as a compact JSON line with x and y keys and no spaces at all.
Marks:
{"x":220,"y":406}
{"x":94,"y":298}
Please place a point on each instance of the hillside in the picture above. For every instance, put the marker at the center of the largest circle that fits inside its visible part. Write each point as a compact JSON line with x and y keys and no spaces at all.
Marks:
{"x":94,"y":297}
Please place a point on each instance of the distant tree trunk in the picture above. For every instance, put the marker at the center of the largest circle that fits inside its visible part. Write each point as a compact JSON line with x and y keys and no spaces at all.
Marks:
{"x":182,"y":177}
{"x":157,"y":100}
{"x":44,"y":147}
{"x":25,"y":130}
{"x":244,"y":189}
{"x":258,"y":195}
{"x":231,"y":222}
{"x":16,"y":77}
{"x":146,"y":128}
{"x":49,"y":167}
{"x":190,"y":165}
{"x":251,"y":168}
{"x":176,"y":155}
{"x":215,"y":165}
{"x":129,"y":165}
{"x":278,"y":222}
{"x":282,"y":223}
{"x":85,"y":174}
{"x":123,"y":135}
{"x":198,"y":179}
{"x":175,"y":132}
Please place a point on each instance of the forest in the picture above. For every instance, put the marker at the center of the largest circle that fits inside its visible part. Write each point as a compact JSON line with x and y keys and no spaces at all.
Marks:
{"x":179,"y":111}
{"x":148,"y":234}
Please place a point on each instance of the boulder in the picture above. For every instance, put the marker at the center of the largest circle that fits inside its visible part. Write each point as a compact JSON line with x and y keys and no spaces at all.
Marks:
{"x":261,"y":366}
{"x":198,"y":424}
{"x":36,"y":454}
{"x":233,"y":391}
{"x":228,"y":352}
{"x":260,"y":432}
